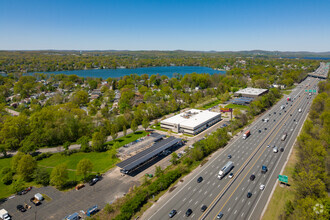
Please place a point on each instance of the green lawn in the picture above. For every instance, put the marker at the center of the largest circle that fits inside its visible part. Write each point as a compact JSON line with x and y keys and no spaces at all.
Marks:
{"x":287,"y":92}
{"x":211,"y":104}
{"x":233,"y":106}
{"x":128,"y":138}
{"x":157,"y":127}
{"x":102,"y":161}
{"x":4,"y":189}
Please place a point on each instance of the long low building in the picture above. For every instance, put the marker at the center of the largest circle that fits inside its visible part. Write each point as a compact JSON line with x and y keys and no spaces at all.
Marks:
{"x":191,"y":122}
{"x":143,"y":157}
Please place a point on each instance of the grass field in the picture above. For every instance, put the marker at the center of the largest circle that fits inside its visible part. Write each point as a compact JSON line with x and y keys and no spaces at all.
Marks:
{"x":102,"y":161}
{"x":4,"y":189}
{"x":282,"y":193}
{"x":211,"y":104}
{"x":233,"y":106}
{"x":128,"y":138}
{"x":287,"y":92}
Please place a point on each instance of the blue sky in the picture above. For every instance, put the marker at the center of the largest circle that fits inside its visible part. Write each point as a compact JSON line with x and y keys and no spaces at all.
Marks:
{"x":221,"y":25}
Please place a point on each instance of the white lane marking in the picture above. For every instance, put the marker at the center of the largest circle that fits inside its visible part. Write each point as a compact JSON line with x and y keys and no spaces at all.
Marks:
{"x":249,"y":203}
{"x":205,"y":192}
{"x":192,"y":215}
{"x":194,"y":189}
{"x":242,"y":214}
{"x":242,"y":200}
{"x":218,"y":185}
{"x":190,"y":200}
{"x":213,"y":184}
{"x":208,"y":182}
{"x":200,"y":191}
{"x":189,"y":187}
{"x":229,"y":209}
{"x":211,"y":194}
{"x":184,"y":199}
{"x":235,"y":212}
{"x":243,"y":188}
{"x":196,"y":202}
{"x":236,"y":198}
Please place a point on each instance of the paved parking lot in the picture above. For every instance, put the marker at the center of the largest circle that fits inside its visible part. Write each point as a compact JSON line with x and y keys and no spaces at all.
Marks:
{"x":113,"y":185}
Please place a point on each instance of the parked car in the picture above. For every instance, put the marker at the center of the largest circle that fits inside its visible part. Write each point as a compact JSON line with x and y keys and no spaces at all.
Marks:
{"x":172,"y":213}
{"x":20,"y":208}
{"x":94,"y":180}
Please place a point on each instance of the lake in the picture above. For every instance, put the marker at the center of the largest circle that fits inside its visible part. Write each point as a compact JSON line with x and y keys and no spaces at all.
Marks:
{"x":117,"y":73}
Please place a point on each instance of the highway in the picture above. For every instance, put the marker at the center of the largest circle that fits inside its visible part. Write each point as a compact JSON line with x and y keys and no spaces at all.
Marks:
{"x":229,"y":195}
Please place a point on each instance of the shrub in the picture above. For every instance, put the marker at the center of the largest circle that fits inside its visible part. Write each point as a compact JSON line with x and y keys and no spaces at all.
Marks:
{"x":5,"y":170}
{"x":7,"y":179}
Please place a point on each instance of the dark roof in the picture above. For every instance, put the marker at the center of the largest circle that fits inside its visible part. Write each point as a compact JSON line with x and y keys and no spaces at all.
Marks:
{"x":149,"y":153}
{"x":242,"y":100}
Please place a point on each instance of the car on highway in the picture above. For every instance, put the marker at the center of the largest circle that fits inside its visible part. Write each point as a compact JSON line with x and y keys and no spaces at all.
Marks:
{"x":200,"y":179}
{"x":252,"y":177}
{"x":268,"y":145}
{"x":231,"y":175}
{"x":281,"y":149}
{"x":20,"y":208}
{"x":219,"y":216}
{"x":203,"y":208}
{"x":262,"y":187}
{"x":188,"y":212}
{"x":265,"y":129}
{"x":259,"y":131}
{"x":275,"y":149}
{"x":249,"y":195}
{"x":172,"y":213}
{"x":229,"y":156}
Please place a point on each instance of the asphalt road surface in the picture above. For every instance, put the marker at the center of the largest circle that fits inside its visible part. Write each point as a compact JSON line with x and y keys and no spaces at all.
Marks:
{"x":230,"y":195}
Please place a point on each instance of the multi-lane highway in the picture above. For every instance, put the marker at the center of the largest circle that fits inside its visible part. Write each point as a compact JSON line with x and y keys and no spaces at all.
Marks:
{"x":229,"y":195}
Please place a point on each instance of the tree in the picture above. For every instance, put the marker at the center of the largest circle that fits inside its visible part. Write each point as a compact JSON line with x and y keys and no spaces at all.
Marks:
{"x":42,"y":176}
{"x":18,"y":185}
{"x":16,"y":158}
{"x":26,"y":167}
{"x":145,"y":123}
{"x":98,"y":140}
{"x":175,"y":158}
{"x":84,"y":144}
{"x":59,"y":176}
{"x":158,"y":171}
{"x":134,"y":126}
{"x":80,"y":98}
{"x":84,"y":167}
{"x":124,"y":130}
{"x":114,"y":131}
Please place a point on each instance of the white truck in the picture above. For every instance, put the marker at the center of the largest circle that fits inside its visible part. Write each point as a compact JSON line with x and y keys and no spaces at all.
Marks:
{"x":229,"y":165}
{"x":4,"y":215}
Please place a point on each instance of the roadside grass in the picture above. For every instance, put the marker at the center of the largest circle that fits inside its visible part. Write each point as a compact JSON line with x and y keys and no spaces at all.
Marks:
{"x":282,"y":193}
{"x":157,"y":127}
{"x":233,"y":106}
{"x":286,"y":92}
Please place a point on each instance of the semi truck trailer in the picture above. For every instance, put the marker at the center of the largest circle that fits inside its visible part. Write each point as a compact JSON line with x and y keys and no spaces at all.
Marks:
{"x":229,"y":165}
{"x":246,"y":134}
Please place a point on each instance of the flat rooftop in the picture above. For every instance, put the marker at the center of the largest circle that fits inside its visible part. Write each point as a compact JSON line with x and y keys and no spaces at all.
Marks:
{"x":191,"y":118}
{"x":251,"y":91}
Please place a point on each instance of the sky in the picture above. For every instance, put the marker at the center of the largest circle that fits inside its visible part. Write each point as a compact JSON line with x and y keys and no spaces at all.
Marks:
{"x":219,"y":25}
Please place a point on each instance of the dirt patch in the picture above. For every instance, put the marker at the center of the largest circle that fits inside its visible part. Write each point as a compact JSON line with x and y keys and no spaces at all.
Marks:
{"x":173,"y":188}
{"x":204,"y":162}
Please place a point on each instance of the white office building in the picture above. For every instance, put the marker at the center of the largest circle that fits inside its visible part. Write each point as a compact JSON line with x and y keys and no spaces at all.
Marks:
{"x":191,"y":122}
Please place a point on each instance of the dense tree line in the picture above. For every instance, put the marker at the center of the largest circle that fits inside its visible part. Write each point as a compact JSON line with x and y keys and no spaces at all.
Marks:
{"x":311,"y":173}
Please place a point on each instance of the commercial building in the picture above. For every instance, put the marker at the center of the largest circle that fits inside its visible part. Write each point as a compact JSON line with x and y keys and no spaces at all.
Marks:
{"x":250,"y":92}
{"x":191,"y":122}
